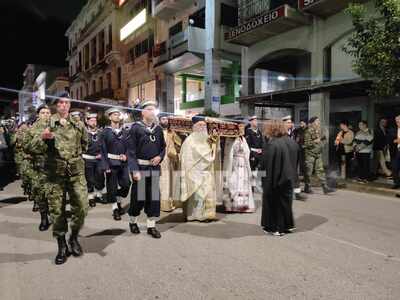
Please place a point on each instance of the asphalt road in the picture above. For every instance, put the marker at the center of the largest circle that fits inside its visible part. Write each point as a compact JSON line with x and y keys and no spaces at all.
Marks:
{"x":347,"y":246}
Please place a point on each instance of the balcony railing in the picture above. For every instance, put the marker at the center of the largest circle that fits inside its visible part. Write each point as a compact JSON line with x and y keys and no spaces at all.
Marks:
{"x":107,"y":93}
{"x":160,"y":49}
{"x":166,"y":9}
{"x":324,"y":8}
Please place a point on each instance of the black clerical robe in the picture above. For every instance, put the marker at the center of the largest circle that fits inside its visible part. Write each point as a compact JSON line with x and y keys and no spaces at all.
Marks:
{"x":278,"y":162}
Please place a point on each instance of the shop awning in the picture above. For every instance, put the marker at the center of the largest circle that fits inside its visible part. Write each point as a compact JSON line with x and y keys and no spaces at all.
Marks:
{"x":338,"y":90}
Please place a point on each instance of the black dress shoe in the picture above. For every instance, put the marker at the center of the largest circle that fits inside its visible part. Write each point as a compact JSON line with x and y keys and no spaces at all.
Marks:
{"x":154,"y":232}
{"x":134,"y":228}
{"x":120,"y":209}
{"x":116,"y":215}
{"x":35,"y":207}
{"x":92,"y":202}
{"x":102,"y":200}
{"x":44,"y":221}
{"x":74,"y":245}
{"x":63,"y":251}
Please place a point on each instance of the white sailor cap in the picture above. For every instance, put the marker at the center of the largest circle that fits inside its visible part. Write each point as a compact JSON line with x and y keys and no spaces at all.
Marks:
{"x":287,"y":118}
{"x":252,"y":117}
{"x":76,"y":113}
{"x":148,"y":103}
{"x":91,"y":116}
{"x":113,"y":110}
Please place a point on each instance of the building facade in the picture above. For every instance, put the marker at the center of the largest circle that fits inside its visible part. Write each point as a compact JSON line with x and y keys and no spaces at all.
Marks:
{"x":94,"y":55}
{"x":293,"y":62}
{"x":196,"y":68}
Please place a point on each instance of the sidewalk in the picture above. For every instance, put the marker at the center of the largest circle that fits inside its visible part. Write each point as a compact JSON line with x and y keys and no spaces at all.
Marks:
{"x":380,"y":186}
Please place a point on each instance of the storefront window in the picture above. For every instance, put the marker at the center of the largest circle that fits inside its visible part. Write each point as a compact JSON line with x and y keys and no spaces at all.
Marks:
{"x":195,"y":89}
{"x":143,"y":92}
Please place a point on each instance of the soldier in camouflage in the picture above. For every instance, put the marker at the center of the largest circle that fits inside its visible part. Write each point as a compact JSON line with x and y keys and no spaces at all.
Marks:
{"x":314,"y":142}
{"x":63,"y":141}
{"x":23,"y":162}
{"x":40,"y":187}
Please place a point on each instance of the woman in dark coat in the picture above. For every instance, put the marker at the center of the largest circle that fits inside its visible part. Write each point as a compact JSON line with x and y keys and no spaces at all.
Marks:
{"x":279,"y":161}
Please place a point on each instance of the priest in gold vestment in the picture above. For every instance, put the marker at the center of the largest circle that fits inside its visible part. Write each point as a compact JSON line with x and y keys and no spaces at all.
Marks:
{"x":198,"y":189}
{"x":169,"y":186}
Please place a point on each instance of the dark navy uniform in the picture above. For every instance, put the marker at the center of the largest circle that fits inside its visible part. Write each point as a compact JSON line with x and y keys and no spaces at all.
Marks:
{"x":94,"y":168}
{"x":113,"y":145}
{"x":144,"y":144}
{"x":254,"y":139}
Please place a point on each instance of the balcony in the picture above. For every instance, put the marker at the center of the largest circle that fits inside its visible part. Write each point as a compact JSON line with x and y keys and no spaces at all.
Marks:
{"x":166,"y":9}
{"x":183,"y":50}
{"x":160,"y":53}
{"x":107,"y":93}
{"x":266,"y":25}
{"x":192,"y":39}
{"x":325,"y":8}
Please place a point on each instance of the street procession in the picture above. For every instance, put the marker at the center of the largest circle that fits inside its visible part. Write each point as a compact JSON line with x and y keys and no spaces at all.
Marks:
{"x":199,"y":149}
{"x":161,"y":161}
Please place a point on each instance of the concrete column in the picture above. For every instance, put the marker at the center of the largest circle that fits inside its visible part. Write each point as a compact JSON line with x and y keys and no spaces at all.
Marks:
{"x":317,"y":55}
{"x":212,"y":61}
{"x":245,"y":73}
{"x":165,"y":92}
{"x":319,"y":106}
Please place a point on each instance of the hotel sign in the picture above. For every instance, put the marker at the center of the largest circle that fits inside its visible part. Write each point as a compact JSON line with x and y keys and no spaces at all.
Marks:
{"x":307,"y":3}
{"x":257,"y":22}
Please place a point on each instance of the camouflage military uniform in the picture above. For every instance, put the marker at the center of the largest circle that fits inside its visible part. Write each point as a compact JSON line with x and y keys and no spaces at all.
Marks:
{"x":23,"y":162}
{"x":313,"y":144}
{"x":65,"y":170}
{"x":39,"y":182}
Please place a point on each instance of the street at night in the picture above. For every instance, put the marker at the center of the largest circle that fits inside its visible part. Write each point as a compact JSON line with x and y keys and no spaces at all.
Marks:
{"x":347,"y":246}
{"x":199,"y":149}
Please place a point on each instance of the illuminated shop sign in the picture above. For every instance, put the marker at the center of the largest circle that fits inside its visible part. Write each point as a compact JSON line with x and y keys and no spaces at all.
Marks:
{"x":133,"y":25}
{"x":256,"y":22}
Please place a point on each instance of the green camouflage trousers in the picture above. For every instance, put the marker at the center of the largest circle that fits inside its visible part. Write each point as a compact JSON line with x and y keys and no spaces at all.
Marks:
{"x":76,"y":188}
{"x":314,"y":162}
{"x":26,"y":173}
{"x":40,"y":190}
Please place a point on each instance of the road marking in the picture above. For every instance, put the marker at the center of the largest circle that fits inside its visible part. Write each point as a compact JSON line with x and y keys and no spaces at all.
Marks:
{"x":387,"y":256}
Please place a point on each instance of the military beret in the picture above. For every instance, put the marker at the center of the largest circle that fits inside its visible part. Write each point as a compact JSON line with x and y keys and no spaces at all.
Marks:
{"x":43,"y":106}
{"x":312,"y":119}
{"x":59,"y":95}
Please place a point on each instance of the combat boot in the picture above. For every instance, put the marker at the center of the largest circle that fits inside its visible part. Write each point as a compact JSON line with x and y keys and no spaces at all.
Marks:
{"x":92,"y":202}
{"x":35,"y":207}
{"x":121,"y":210}
{"x":326,"y":189}
{"x":74,"y":245}
{"x":44,"y":221}
{"x":307,"y":189}
{"x":63,"y":251}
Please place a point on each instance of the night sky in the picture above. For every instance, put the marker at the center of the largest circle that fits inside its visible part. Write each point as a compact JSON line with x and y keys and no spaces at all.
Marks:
{"x":32,"y":31}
